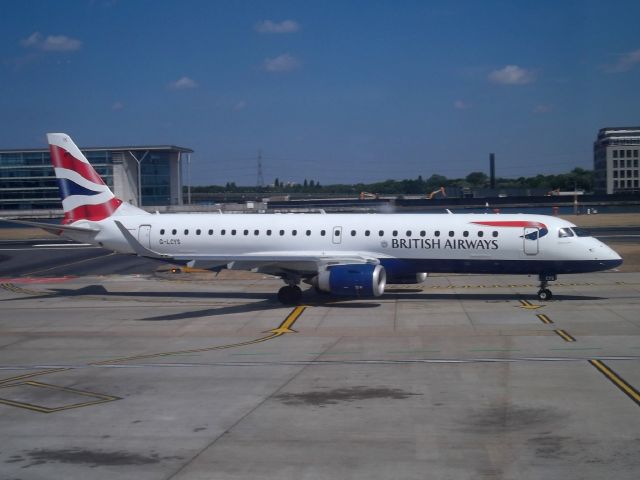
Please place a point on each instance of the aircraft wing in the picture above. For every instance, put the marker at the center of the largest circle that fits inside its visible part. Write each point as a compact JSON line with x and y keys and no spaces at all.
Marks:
{"x":269,"y":262}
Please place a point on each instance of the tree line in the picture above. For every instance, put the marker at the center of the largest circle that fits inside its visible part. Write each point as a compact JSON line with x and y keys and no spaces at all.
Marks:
{"x":577,"y":178}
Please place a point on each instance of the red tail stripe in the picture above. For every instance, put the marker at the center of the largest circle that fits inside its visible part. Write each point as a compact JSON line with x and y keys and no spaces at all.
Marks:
{"x":92,"y":212}
{"x":63,"y":159}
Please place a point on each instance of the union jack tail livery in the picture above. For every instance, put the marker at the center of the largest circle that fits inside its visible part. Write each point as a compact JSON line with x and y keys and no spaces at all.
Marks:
{"x":84,"y":194}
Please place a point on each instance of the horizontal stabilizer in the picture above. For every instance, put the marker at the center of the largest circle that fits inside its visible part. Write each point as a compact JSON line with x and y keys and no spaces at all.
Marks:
{"x":53,"y":228}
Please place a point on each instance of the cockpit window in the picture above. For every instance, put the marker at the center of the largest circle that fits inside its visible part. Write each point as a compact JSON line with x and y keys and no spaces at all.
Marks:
{"x":581,"y":232}
{"x":565,"y":232}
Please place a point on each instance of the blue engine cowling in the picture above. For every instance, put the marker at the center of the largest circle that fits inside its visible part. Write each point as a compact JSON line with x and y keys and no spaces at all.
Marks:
{"x":357,"y":280}
{"x":411,"y":278}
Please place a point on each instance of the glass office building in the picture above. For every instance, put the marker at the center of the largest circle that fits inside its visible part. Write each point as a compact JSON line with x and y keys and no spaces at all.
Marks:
{"x":28,"y":182}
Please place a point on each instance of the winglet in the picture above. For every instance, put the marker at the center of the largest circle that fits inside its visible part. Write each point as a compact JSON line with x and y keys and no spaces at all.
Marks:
{"x":136,"y":245}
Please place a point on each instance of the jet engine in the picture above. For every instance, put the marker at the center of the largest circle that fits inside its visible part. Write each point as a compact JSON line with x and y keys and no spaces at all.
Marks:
{"x":357,"y":280}
{"x":408,"y":279}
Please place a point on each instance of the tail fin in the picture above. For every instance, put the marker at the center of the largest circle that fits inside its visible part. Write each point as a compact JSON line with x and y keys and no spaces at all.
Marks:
{"x":84,"y":194}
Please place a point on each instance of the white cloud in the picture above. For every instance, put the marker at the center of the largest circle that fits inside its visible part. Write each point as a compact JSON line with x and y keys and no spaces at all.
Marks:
{"x":52,"y":43}
{"x":286,"y":26}
{"x":461,"y":105}
{"x":543,"y":108}
{"x":281,"y":63}
{"x":117,"y":106}
{"x":625,"y":62}
{"x":241,"y":105}
{"x":512,"y":75}
{"x":183,"y":83}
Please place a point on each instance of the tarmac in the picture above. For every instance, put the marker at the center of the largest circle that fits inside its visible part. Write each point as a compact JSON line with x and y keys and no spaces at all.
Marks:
{"x":124,"y":371}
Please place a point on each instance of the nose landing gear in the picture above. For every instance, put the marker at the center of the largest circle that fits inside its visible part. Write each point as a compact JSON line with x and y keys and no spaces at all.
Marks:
{"x":544,"y":293}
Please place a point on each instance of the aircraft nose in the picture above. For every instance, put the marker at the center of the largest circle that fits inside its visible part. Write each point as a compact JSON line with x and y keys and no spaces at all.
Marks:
{"x":607,"y":255}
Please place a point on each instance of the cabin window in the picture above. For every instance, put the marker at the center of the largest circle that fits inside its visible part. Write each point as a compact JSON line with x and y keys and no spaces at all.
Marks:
{"x":246,"y":232}
{"x":268,"y":233}
{"x":395,"y":233}
{"x":186,"y":232}
{"x":451,"y":233}
{"x":380,"y":233}
{"x":323,"y":233}
{"x":174,"y":231}
{"x":256,"y":232}
{"x":198,"y":232}
{"x":494,"y":233}
{"x":162,"y":231}
{"x":481,"y":233}
{"x":422,"y":233}
{"x":367,"y":233}
{"x":408,"y":233}
{"x":281,"y":232}
{"x":233,"y":232}
{"x":210,"y":232}
{"x":308,"y":232}
{"x":223,"y":232}
{"x":565,"y":232}
{"x":294,"y":232}
{"x":437,"y":233}
{"x":465,"y":234}
{"x":353,"y":233}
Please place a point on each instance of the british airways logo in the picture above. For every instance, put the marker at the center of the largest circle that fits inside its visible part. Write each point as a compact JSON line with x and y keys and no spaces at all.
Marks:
{"x":540,"y":228}
{"x":84,"y":194}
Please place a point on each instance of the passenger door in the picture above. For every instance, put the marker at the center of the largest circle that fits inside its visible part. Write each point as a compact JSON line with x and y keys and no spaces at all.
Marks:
{"x":530,"y":239}
{"x":144,"y":235}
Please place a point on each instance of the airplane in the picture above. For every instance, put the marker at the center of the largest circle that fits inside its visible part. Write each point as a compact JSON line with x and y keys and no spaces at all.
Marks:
{"x":347,"y":255}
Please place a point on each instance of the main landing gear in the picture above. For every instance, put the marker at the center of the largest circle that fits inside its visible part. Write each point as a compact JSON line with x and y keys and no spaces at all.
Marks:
{"x":544,"y":293}
{"x":291,"y":293}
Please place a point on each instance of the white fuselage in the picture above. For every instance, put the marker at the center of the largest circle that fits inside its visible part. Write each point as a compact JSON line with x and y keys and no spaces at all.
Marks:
{"x":404,"y":243}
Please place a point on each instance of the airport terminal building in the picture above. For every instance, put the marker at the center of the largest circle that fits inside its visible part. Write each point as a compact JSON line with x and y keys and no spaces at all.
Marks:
{"x":615,"y":160}
{"x":141,"y":175}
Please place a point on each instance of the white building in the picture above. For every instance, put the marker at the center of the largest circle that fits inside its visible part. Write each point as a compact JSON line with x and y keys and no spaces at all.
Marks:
{"x":615,"y":160}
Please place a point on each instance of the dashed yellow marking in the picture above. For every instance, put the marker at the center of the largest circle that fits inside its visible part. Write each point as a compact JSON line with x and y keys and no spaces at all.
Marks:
{"x":544,"y":318}
{"x":527,"y":305}
{"x":565,"y":336}
{"x":617,"y":380}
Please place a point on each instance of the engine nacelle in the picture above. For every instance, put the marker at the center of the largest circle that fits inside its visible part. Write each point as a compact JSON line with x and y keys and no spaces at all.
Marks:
{"x":407,"y":279}
{"x":357,"y":280}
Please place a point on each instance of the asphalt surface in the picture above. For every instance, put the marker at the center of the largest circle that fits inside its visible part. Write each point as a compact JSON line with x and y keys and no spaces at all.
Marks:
{"x":109,"y":371}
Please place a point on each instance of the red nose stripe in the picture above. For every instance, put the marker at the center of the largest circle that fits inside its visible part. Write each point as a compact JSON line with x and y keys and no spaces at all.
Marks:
{"x":512,"y":223}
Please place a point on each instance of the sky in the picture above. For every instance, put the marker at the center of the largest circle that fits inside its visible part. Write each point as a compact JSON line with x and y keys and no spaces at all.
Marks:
{"x":331,"y":91}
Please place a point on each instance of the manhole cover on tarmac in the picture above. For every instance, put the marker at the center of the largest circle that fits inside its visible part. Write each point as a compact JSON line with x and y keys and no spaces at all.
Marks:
{"x":45,"y":398}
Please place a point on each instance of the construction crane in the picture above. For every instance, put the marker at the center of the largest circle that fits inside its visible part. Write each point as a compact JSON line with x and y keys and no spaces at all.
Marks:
{"x":435,"y":192}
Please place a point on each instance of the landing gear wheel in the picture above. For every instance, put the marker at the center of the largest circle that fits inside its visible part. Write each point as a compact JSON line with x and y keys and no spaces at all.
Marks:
{"x":544,"y":294}
{"x":290,"y":295}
